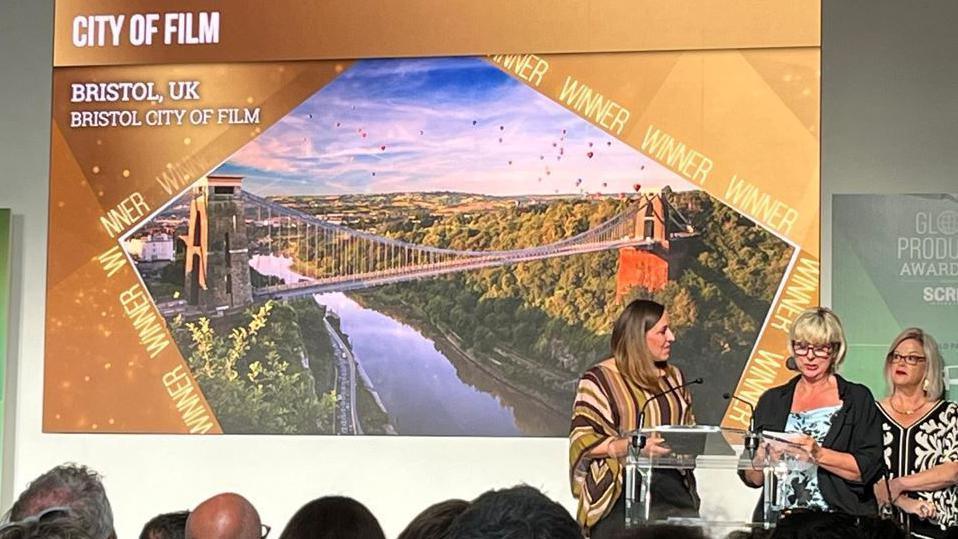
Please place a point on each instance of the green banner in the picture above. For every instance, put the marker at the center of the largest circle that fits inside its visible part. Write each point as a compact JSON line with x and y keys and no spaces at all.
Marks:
{"x":895,"y":265}
{"x":5,"y":256}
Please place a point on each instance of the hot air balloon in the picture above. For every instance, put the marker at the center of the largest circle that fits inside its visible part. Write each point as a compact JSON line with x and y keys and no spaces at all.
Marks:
{"x":590,"y":154}
{"x":474,"y":122}
{"x":637,"y":187}
{"x":383,"y":147}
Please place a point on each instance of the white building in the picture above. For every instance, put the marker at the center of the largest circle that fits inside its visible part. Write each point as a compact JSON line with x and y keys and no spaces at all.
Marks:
{"x":158,"y":247}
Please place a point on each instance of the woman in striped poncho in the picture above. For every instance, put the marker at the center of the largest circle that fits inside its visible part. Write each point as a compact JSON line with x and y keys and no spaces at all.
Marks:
{"x":607,"y":405}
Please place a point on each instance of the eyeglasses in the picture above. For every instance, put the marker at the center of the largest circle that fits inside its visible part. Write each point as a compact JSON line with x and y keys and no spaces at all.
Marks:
{"x":802,"y":348}
{"x":19,"y":528}
{"x":264,"y":531}
{"x":910,"y":359}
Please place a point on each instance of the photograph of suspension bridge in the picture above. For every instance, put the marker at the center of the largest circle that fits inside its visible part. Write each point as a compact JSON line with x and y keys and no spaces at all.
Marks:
{"x":430,"y":247}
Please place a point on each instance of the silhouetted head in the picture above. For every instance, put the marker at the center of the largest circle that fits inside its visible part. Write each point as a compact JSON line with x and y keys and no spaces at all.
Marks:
{"x":60,"y":526}
{"x":434,"y":520}
{"x":822,"y":525}
{"x":515,"y":513}
{"x":166,"y":526}
{"x":224,"y":516}
{"x":69,"y":486}
{"x":663,"y":531}
{"x":333,"y":517}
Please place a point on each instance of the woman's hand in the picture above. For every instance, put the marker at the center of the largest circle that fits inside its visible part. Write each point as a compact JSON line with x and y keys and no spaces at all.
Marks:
{"x":881,"y":493}
{"x":810,"y":446}
{"x":619,"y":447}
{"x":763,"y":454}
{"x":655,"y":446}
{"x":920,"y":508}
{"x":896,"y":488}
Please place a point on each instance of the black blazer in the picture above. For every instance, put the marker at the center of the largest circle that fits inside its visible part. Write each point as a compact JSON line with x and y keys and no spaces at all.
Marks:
{"x":856,"y":429}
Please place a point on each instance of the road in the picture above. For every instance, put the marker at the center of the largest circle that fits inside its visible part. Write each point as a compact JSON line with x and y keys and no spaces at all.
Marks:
{"x":347,"y":419}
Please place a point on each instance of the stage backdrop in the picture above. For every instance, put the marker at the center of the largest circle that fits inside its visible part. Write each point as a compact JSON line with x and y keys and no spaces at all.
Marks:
{"x":321,"y":241}
{"x":895,"y":260}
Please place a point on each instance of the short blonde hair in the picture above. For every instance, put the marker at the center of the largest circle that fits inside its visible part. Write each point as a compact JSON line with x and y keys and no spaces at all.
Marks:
{"x":934,"y":368}
{"x":818,"y":326}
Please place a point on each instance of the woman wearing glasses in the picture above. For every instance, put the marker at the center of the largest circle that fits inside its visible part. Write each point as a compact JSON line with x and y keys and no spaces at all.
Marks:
{"x":921,"y":437}
{"x":833,"y":424}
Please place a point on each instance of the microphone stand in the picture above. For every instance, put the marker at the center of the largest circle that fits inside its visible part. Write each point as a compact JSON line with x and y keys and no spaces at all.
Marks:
{"x":636,"y":444}
{"x":751,"y":436}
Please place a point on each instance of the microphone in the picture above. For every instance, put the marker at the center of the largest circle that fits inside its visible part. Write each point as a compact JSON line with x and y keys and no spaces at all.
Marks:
{"x":751,"y":437}
{"x":791,"y":364}
{"x":639,"y":441}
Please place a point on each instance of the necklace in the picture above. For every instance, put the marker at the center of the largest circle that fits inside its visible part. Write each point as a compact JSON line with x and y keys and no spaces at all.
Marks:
{"x":905,"y":412}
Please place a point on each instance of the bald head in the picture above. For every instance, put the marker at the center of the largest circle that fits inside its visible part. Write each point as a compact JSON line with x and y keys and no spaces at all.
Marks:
{"x":224,"y":516}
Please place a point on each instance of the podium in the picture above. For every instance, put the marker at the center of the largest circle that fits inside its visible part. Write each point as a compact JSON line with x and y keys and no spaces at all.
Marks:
{"x":709,"y":450}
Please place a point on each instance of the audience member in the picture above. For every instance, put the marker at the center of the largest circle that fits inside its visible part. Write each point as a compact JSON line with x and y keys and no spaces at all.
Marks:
{"x":434,"y":520}
{"x":663,"y":531}
{"x":225,"y":516}
{"x":69,"y":486}
{"x":57,"y":523}
{"x":825,"y":525}
{"x":333,"y":517}
{"x":754,"y":533}
{"x":520,"y":512}
{"x":166,"y":526}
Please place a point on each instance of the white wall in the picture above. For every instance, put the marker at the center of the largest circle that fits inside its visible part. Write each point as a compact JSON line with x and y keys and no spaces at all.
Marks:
{"x":889,"y":121}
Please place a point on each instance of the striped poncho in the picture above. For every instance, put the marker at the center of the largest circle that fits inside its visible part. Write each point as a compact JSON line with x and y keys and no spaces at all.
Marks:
{"x":607,"y":405}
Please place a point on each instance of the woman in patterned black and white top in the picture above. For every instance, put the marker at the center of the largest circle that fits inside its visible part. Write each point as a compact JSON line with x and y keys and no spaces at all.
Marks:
{"x":920,"y":436}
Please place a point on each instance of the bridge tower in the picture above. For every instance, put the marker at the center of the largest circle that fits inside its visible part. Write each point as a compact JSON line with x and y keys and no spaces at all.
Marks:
{"x":217,"y":254}
{"x":649,"y":266}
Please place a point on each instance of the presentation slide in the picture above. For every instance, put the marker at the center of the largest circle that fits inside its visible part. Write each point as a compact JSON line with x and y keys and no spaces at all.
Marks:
{"x":328,"y":219}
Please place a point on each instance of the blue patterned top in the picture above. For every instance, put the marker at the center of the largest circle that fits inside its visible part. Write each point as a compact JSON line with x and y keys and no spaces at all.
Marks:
{"x":800,"y":487}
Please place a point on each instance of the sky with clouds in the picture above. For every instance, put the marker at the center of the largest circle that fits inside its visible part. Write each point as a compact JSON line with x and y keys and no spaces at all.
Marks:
{"x":439,"y":124}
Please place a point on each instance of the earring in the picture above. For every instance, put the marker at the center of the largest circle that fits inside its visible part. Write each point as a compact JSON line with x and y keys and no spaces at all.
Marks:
{"x":926,"y":384}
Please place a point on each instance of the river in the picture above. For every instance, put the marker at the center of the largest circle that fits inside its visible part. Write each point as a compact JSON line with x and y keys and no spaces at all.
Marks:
{"x":423,"y":391}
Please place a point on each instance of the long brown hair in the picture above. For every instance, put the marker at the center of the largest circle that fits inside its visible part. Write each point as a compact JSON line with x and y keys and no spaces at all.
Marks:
{"x":629,"y":347}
